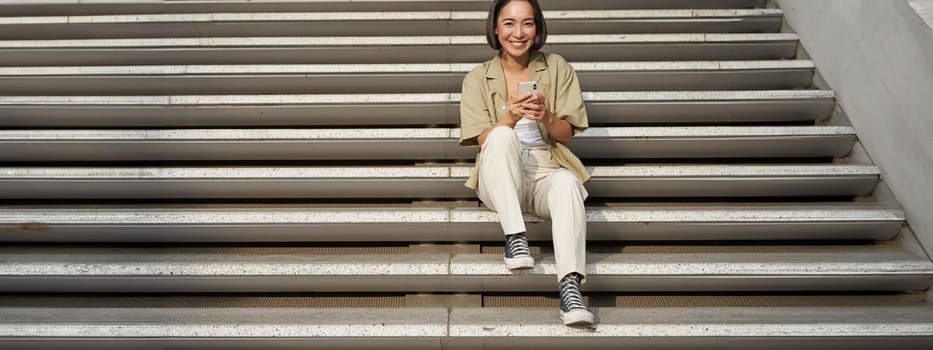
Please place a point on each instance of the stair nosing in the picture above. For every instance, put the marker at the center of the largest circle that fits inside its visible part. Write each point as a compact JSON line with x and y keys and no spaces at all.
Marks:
{"x":452,"y":68}
{"x":424,"y":98}
{"x":439,"y":134}
{"x":311,"y":41}
{"x":142,"y":216}
{"x":437,"y":172}
{"x":220,"y":17}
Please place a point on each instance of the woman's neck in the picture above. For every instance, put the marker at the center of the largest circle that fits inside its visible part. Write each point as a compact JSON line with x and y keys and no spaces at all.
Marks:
{"x":514,"y":64}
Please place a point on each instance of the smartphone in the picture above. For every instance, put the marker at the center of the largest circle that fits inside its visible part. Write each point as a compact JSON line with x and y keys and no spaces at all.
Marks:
{"x":527,"y":87}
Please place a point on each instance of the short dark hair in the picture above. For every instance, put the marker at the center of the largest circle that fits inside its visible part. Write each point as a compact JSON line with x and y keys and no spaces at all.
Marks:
{"x":540,"y":26}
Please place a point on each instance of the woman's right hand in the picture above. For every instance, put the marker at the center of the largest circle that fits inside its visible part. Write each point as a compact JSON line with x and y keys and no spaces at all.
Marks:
{"x":514,"y":112}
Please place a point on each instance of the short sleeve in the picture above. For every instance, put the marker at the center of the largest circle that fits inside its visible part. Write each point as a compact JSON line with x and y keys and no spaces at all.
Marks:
{"x":474,"y":116}
{"x":569,"y":104}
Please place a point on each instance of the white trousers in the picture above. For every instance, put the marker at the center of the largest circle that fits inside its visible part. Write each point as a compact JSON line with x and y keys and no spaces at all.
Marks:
{"x":512,"y":181}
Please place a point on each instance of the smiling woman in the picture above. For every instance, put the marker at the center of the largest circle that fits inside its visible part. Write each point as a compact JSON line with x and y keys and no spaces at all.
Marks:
{"x":503,"y":21}
{"x":524,"y":163}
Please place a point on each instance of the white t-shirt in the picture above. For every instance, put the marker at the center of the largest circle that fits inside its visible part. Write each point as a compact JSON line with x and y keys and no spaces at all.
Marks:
{"x":529,"y":135}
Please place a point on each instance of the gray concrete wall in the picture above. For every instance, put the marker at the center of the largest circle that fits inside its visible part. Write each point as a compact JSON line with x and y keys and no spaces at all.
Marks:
{"x":878,"y":57}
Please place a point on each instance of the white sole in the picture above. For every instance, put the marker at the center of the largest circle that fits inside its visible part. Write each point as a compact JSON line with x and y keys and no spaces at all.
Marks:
{"x":577,"y":318}
{"x":520,"y":263}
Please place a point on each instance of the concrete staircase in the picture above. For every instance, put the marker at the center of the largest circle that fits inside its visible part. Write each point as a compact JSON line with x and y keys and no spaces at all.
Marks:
{"x":262,"y":174}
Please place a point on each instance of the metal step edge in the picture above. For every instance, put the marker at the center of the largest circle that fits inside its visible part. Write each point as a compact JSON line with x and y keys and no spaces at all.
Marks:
{"x":381,"y":23}
{"x":419,"y":68}
{"x":630,"y":148}
{"x":434,"y":143}
{"x":762,"y":261}
{"x":307,"y":50}
{"x":357,"y":41}
{"x":514,"y":301}
{"x":420,"y":78}
{"x":379,"y":134}
{"x":70,"y":7}
{"x":372,"y":23}
{"x":431,"y":98}
{"x":401,"y":109}
{"x":425,"y":172}
{"x":437,"y":225}
{"x":402,"y":16}
{"x":424,"y":182}
{"x":836,"y":270}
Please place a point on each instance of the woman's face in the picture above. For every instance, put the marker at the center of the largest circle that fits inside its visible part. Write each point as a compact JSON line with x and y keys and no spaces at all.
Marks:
{"x":515,"y":28}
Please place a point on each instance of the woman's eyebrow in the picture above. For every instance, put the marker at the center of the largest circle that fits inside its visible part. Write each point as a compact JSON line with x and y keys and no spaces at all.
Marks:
{"x":532,"y":18}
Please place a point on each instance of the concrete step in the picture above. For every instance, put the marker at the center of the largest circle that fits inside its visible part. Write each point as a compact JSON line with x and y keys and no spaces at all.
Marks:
{"x":402,"y":301}
{"x":765,"y":327}
{"x":692,"y":268}
{"x":424,"y":181}
{"x":714,"y":327}
{"x":244,"y":223}
{"x":383,"y":78}
{"x":388,"y":49}
{"x":381,"y":23}
{"x":93,"y":7}
{"x":641,"y":107}
{"x":435,"y":143}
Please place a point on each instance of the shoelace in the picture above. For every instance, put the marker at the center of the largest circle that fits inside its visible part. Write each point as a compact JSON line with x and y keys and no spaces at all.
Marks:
{"x":570,"y":297}
{"x":517,"y":245}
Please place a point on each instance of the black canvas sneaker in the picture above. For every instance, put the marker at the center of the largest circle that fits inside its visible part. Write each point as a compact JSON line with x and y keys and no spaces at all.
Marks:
{"x":517,"y":254}
{"x":572,"y":308}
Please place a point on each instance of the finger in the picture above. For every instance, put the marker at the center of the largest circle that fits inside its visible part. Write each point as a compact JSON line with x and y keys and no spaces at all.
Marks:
{"x":530,"y":112}
{"x":532,"y":107}
{"x":526,"y":97}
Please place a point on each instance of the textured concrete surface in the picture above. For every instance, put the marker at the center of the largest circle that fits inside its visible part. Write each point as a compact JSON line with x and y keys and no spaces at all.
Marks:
{"x":696,"y":322}
{"x":225,"y":322}
{"x":873,"y":54}
{"x":667,"y":267}
{"x":764,"y":261}
{"x":135,"y":262}
{"x":468,"y":322}
{"x":924,"y":8}
{"x":739,"y":214}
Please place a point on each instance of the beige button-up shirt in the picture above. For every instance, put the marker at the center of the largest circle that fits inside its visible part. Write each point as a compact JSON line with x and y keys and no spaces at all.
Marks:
{"x":485,"y":98}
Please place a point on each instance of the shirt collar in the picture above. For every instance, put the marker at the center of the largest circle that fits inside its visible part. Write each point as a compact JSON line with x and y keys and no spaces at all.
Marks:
{"x":536,"y":63}
{"x":495,"y":77}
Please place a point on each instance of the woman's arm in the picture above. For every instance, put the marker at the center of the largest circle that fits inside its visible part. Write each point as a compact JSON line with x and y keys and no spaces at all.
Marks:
{"x":559,"y":129}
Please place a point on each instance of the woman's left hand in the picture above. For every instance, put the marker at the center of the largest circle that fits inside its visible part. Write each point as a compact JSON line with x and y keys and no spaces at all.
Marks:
{"x":536,"y":110}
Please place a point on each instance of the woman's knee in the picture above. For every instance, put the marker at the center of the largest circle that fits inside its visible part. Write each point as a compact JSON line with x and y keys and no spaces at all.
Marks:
{"x":563,"y":177}
{"x":501,"y":135}
{"x":564,"y":180}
